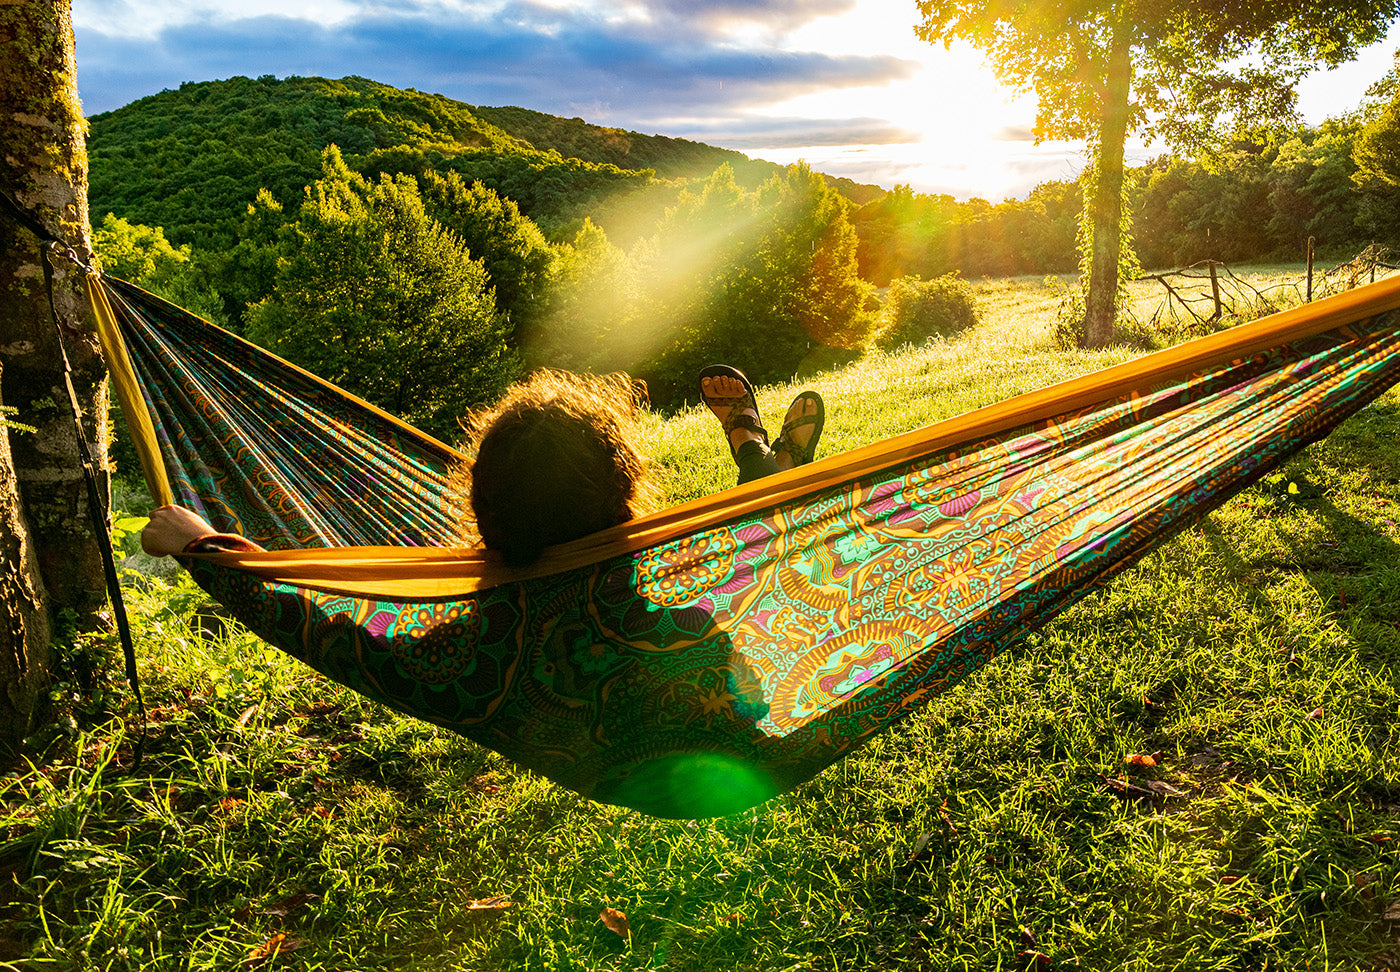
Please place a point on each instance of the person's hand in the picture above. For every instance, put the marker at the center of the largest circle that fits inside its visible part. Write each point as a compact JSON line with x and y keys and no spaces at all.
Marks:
{"x":171,"y":529}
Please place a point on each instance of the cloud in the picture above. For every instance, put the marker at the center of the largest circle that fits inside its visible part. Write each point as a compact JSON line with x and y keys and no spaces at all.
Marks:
{"x":637,"y":72}
{"x":747,"y":132}
{"x":776,"y":15}
{"x":1015,"y":133}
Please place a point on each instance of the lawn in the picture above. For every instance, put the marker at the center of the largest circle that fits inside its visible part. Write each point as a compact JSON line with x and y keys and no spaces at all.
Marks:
{"x":1195,"y":768}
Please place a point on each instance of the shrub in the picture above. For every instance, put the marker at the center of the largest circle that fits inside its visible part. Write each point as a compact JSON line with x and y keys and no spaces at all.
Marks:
{"x":916,"y":310}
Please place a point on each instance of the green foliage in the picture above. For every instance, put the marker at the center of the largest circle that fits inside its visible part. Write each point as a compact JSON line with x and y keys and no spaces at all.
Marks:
{"x":669,"y":158}
{"x":511,"y":247}
{"x":190,"y":160}
{"x":907,"y":233}
{"x":377,"y":297}
{"x":1377,"y":155}
{"x":589,"y":322}
{"x":1253,"y":201}
{"x":916,"y":310}
{"x":1194,"y":66}
{"x":755,"y":278}
{"x":7,"y":421}
{"x":143,"y":256}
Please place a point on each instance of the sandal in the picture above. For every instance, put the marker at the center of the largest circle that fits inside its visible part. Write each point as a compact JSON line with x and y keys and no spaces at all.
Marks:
{"x":802,"y":454}
{"x":742,"y":410}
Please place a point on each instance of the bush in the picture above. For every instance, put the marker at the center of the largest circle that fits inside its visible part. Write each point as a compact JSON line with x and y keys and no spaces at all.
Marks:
{"x":916,"y":310}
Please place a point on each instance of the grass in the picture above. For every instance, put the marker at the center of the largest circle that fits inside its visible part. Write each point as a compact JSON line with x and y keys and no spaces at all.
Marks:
{"x":281,"y":822}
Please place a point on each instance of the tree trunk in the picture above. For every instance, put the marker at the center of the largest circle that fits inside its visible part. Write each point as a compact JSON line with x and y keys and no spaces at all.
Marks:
{"x":24,"y":618}
{"x":1106,"y":199}
{"x":43,"y":166}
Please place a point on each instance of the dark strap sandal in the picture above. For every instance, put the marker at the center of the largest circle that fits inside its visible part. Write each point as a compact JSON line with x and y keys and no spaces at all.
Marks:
{"x":802,"y":454}
{"x":742,"y":410}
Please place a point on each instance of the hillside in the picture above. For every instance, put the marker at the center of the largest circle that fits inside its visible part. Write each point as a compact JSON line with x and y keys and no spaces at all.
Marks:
{"x":670,"y":158}
{"x":190,"y":160}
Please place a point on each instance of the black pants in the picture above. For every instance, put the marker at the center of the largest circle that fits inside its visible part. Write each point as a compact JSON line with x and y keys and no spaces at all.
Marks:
{"x":755,"y":461}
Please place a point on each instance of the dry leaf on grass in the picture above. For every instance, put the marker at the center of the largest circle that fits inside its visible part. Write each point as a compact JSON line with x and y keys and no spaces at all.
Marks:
{"x":1392,"y":911}
{"x":496,"y":904}
{"x":278,"y":944}
{"x":1315,"y":713}
{"x":1138,"y":759}
{"x":616,"y":922}
{"x":1149,"y":789}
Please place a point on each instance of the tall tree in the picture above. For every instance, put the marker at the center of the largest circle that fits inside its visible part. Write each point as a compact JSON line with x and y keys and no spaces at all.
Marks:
{"x":51,"y":560}
{"x":1174,"y":69}
{"x":379,"y":298}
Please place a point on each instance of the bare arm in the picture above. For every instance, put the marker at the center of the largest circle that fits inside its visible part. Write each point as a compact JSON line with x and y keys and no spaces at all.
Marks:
{"x":172,"y":529}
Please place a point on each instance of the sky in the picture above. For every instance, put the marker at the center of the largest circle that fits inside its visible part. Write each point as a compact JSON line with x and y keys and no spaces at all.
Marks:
{"x":842,"y":84}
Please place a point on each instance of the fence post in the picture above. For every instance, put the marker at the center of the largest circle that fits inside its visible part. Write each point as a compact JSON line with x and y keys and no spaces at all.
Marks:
{"x":1310,"y":268}
{"x":1215,"y":291}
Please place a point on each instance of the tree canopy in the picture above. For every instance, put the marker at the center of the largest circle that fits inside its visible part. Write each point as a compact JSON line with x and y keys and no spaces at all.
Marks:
{"x":1184,"y":70}
{"x":379,"y":298}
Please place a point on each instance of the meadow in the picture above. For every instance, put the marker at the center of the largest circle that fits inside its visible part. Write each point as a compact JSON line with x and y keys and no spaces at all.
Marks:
{"x":1194,"y":768}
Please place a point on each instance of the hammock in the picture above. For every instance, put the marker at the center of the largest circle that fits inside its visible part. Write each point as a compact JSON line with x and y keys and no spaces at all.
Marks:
{"x":701,"y":660}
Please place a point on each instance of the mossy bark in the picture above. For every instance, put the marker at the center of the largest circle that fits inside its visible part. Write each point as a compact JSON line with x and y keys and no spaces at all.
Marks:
{"x":44,"y":516}
{"x":1106,"y":201}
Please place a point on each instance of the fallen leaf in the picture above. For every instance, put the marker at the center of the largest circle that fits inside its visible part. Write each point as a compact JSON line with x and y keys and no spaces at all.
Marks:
{"x":1041,"y":960}
{"x":499,"y":903}
{"x":1315,"y":713}
{"x":1151,"y":789}
{"x":616,"y":922}
{"x":1027,"y":937}
{"x":287,"y":905}
{"x":1392,"y":912}
{"x":733,"y":919}
{"x":229,"y":804}
{"x":273,"y":947}
{"x":1137,"y":759}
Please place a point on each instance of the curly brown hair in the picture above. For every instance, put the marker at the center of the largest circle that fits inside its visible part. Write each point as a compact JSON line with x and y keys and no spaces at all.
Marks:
{"x":555,"y":459}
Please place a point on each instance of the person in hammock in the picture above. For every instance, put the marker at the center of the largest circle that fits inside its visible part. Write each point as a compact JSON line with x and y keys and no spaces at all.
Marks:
{"x":556,"y":460}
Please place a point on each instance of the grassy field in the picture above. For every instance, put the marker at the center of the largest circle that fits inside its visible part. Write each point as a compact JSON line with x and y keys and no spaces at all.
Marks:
{"x":281,"y":822}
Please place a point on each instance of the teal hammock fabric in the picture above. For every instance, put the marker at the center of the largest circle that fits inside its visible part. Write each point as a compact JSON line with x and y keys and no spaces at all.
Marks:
{"x":707,"y":671}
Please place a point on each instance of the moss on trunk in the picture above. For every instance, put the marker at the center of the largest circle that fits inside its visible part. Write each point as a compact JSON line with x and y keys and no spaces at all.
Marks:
{"x":43,"y":166}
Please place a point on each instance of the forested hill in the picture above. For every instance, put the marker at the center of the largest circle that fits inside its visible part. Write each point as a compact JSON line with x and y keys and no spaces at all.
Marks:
{"x":190,"y":160}
{"x":670,"y":158}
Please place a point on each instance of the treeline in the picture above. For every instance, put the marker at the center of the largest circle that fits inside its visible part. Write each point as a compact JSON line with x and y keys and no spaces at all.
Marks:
{"x":427,"y":294}
{"x":422,"y":251}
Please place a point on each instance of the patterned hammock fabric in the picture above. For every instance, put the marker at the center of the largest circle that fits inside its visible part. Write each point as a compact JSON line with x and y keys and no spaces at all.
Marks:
{"x":704,"y":659}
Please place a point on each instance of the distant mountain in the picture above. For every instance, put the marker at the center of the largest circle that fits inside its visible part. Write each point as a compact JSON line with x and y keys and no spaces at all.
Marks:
{"x":191,"y":160}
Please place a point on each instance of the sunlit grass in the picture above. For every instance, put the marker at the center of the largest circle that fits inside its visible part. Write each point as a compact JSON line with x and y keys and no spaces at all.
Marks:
{"x":1256,"y":655}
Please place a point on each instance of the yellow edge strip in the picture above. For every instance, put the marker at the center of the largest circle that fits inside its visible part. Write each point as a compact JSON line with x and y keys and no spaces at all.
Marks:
{"x":408,"y":573}
{"x":129,"y":397}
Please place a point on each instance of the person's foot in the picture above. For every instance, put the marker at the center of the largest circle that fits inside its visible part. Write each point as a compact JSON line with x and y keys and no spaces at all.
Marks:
{"x":730,"y":397}
{"x":802,"y":427}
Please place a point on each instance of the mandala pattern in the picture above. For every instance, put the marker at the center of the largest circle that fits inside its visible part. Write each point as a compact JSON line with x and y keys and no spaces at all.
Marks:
{"x":707,"y":674}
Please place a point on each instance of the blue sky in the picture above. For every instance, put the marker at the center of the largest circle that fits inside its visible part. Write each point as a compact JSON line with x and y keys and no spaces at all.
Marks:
{"x":843,"y":84}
